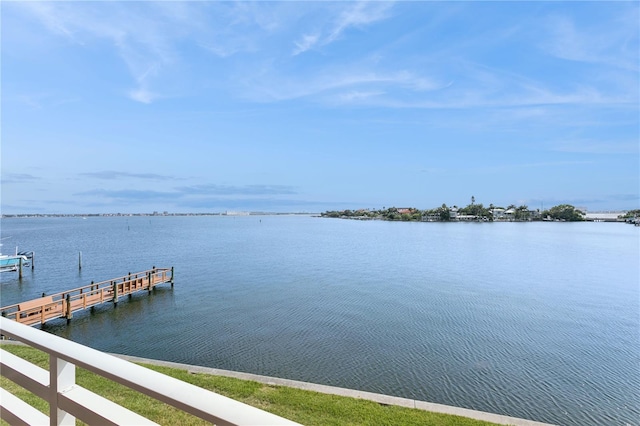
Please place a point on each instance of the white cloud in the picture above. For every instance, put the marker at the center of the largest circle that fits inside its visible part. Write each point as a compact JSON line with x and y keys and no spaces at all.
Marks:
{"x":307,"y":42}
{"x":144,"y":36}
{"x":589,"y":146}
{"x":147,"y":38}
{"x":358,"y":15}
{"x":358,"y":95}
{"x":49,"y":16}
{"x":609,"y":45}
{"x":142,"y":95}
{"x":337,"y":84}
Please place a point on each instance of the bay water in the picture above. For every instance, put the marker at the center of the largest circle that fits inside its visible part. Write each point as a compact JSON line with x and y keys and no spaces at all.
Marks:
{"x":535,"y":320}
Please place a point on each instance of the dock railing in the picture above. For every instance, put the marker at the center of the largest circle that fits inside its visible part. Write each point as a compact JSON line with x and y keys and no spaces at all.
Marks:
{"x":68,"y":401}
{"x":62,"y":305}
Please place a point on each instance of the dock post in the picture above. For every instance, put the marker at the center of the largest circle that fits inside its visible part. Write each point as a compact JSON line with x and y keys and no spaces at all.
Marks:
{"x":149,"y":278}
{"x":20,"y":268}
{"x":172,"y":277}
{"x":33,"y":259}
{"x":79,"y":260}
{"x":69,"y":313}
{"x":115,"y":292}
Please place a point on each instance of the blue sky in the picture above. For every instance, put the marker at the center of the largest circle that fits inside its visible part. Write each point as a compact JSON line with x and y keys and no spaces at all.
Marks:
{"x":297,"y":106}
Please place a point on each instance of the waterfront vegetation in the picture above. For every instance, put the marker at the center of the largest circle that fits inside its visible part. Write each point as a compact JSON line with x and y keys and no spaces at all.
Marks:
{"x":631,"y":214}
{"x":472,"y":212}
{"x":305,"y":407}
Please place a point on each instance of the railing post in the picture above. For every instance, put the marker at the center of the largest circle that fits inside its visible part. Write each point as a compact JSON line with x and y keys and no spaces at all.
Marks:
{"x":62,"y":376}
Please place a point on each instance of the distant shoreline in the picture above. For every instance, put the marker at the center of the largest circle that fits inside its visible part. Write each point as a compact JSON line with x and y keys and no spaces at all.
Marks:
{"x":233,"y":214}
{"x":601,"y":216}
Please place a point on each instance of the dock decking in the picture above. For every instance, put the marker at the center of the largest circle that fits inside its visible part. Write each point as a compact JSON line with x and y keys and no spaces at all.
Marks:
{"x":63,"y":305}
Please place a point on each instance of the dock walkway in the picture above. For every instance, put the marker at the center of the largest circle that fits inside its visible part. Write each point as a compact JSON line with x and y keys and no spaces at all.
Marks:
{"x":63,"y":305}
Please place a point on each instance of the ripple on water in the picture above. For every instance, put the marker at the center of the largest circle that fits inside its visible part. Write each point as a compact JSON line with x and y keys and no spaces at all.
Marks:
{"x":528,"y":320}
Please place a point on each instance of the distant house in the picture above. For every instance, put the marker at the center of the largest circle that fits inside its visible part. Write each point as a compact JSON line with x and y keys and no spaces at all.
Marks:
{"x":453,"y":213}
{"x":405,"y":211}
{"x":534,"y":214}
{"x":498,"y":213}
{"x":432,"y":217}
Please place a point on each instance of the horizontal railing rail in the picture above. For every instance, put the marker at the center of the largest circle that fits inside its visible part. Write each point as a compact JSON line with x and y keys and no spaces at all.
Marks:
{"x":68,"y":401}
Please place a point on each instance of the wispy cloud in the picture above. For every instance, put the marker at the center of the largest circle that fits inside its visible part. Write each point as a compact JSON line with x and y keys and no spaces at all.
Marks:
{"x":211,"y":196}
{"x":360,"y":14}
{"x":306,"y":42}
{"x":185,"y":194}
{"x":508,"y":168}
{"x":114,"y":175}
{"x":334,"y":85}
{"x":214,"y":189}
{"x":19,"y":178}
{"x":38,"y":101}
{"x":262,"y":204}
{"x":49,"y":16}
{"x":611,"y":45}
{"x":354,"y":15}
{"x":129,"y":195}
{"x":149,"y":38}
{"x":591,"y":146}
{"x":143,"y":35}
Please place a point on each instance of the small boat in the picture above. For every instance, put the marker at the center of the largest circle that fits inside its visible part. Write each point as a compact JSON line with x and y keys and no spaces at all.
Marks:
{"x":11,"y":263}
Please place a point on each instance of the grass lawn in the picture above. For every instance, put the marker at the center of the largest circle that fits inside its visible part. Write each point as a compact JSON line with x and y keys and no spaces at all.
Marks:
{"x":306,"y":407}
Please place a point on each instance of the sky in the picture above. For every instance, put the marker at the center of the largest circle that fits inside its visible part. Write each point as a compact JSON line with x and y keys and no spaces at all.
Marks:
{"x":205,"y":107}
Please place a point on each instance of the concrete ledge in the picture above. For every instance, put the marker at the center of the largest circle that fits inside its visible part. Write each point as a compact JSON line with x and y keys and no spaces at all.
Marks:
{"x":332,"y":390}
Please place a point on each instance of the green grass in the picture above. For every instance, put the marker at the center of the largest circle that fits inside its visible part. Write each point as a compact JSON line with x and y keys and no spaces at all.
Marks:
{"x":305,"y":407}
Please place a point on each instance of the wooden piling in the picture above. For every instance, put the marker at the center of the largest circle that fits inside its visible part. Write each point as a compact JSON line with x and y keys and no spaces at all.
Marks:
{"x":79,"y":260}
{"x":20,"y":268}
{"x":115,"y":292}
{"x":69,"y":313}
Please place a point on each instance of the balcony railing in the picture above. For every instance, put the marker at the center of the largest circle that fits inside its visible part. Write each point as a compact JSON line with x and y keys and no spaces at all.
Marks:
{"x":68,"y":401}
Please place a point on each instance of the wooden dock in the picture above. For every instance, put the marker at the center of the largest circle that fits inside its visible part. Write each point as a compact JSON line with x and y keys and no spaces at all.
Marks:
{"x":63,"y":305}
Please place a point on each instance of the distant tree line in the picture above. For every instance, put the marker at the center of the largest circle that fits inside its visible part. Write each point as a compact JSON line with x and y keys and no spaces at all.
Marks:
{"x":631,"y":214}
{"x":564,"y":212}
{"x":473,"y":211}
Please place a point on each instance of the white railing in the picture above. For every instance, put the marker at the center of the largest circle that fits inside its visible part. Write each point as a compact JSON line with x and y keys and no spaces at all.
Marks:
{"x":68,"y":401}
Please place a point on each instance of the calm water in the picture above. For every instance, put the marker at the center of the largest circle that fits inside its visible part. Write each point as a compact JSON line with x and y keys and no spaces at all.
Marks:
{"x":533,"y":320}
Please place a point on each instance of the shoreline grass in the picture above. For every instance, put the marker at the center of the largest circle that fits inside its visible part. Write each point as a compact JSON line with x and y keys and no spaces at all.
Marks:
{"x":303,"y":406}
